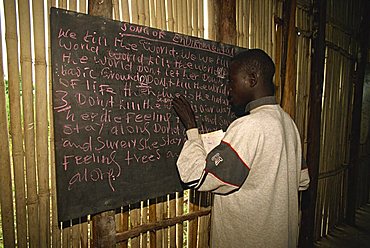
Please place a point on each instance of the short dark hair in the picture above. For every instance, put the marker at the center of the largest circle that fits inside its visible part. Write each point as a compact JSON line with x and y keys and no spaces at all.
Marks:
{"x":256,"y":61}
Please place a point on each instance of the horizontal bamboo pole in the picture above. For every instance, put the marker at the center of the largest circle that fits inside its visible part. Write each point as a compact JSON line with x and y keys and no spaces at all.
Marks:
{"x":136,"y":231}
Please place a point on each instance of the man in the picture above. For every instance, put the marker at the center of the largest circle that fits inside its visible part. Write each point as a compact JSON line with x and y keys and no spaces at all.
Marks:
{"x":255,"y":172}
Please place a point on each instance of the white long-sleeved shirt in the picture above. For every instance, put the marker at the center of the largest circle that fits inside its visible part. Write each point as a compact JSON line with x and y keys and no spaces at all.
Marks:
{"x":255,"y":174}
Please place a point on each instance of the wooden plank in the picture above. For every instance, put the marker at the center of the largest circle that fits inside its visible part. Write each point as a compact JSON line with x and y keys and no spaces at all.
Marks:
{"x":314,"y":120}
{"x":103,"y":230}
{"x":122,"y":221}
{"x":160,"y":224}
{"x":179,"y":212}
{"x":227,"y":25}
{"x":104,"y":227}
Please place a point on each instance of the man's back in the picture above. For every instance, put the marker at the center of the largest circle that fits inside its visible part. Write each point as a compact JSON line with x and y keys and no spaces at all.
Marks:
{"x":264,"y":211}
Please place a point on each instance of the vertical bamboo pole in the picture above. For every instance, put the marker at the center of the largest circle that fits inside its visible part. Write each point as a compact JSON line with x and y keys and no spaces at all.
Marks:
{"x":189,"y":17}
{"x":152,"y":219}
{"x":125,"y":11}
{"x":82,"y":7}
{"x":56,"y":233}
{"x":141,"y":12}
{"x":134,"y":222}
{"x":63,"y":4}
{"x":252,"y":24}
{"x":201,"y":18}
{"x":239,"y":20}
{"x":159,"y":216}
{"x":76,"y":231}
{"x":157,"y":11}
{"x":172,"y":214}
{"x":147,"y":12}
{"x":195,"y":18}
{"x":115,"y":5}
{"x":270,"y":19}
{"x":66,"y":235}
{"x":171,"y":20}
{"x":258,"y":27}
{"x":245,"y":13}
{"x":193,"y":224}
{"x":165,"y":216}
{"x":179,"y":212}
{"x":153,"y":20}
{"x":15,"y":121}
{"x":28,"y":123}
{"x":6,"y":198}
{"x":122,"y":219}
{"x":179,"y":16}
{"x":163,"y":14}
{"x":41,"y":123}
{"x":175,"y":15}
{"x":72,"y":5}
{"x":144,"y":220}
{"x":134,"y":11}
{"x":184,"y":10}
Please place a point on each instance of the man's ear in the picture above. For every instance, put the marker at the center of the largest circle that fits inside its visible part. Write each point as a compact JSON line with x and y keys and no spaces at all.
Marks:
{"x":252,"y":79}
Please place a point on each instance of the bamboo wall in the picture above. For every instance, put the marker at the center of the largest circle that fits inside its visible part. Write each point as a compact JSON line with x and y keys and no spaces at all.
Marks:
{"x":28,"y":192}
{"x":336,"y":119}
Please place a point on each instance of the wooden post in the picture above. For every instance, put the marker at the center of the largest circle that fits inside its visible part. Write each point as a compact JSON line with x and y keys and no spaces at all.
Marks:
{"x":290,"y":65}
{"x":227,"y":21}
{"x":104,"y":226}
{"x":314,"y":123}
{"x":353,"y":172}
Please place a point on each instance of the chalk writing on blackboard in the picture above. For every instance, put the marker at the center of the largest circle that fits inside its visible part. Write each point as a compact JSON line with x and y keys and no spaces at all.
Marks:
{"x":116,"y":136}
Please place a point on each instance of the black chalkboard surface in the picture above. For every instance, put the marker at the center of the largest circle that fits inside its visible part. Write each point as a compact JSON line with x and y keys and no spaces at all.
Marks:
{"x":116,"y":136}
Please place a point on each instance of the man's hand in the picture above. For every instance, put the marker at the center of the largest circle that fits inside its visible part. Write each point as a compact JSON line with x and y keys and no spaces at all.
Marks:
{"x":185,"y":112}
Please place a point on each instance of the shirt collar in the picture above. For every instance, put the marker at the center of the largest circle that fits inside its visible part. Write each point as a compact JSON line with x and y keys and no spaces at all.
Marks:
{"x":267,"y":100}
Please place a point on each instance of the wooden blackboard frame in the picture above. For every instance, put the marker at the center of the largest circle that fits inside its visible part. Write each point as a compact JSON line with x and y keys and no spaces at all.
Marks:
{"x":116,"y":135}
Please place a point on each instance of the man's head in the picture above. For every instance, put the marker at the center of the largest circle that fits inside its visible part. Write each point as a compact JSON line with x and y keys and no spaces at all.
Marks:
{"x":251,"y":77}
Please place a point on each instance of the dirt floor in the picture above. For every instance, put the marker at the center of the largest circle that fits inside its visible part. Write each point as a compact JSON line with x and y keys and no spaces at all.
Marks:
{"x":345,"y":236}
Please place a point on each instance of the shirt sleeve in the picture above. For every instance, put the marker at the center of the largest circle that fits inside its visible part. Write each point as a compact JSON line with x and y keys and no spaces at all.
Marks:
{"x":191,"y":161}
{"x":221,"y":171}
{"x":304,"y":181}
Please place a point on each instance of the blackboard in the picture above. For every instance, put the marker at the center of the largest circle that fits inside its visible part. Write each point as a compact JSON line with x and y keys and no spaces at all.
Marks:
{"x":117,"y":137}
